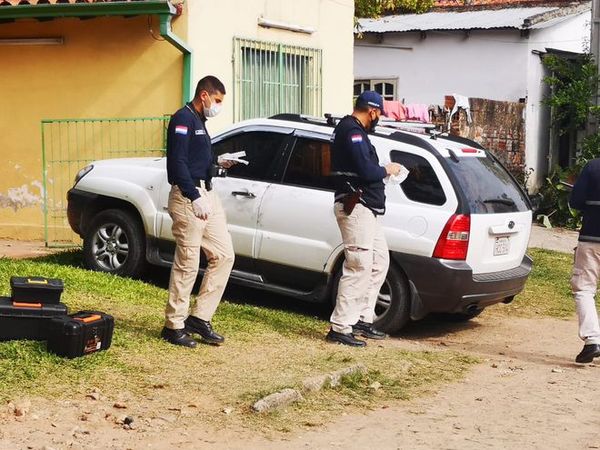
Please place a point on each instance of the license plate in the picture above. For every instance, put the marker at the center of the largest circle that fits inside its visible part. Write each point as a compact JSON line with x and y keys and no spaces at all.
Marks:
{"x":501,"y":246}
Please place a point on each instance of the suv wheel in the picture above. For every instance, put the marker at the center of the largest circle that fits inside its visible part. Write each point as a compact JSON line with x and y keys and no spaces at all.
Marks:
{"x":115,"y":243}
{"x":392,"y":310}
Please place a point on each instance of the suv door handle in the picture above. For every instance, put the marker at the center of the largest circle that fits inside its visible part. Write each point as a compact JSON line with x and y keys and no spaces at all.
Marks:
{"x":243,"y":194}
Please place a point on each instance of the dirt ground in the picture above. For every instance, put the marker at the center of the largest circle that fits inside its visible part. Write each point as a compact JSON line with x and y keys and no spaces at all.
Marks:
{"x":23,"y":249}
{"x":526,"y":393}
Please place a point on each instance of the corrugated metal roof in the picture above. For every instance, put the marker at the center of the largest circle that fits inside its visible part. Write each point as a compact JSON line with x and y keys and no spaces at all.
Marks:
{"x":58,"y":2}
{"x":518,"y":18}
{"x":471,"y":5}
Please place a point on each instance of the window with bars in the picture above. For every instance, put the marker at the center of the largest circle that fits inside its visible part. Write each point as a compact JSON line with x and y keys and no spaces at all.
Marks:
{"x":272,"y":78}
{"x":387,"y":88}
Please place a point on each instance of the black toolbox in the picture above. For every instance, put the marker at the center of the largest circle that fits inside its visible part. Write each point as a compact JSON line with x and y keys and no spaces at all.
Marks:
{"x":80,"y":333}
{"x":36,"y":289}
{"x":27,"y":320}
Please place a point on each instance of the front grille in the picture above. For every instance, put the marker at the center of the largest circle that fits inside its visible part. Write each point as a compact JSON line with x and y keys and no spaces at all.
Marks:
{"x":517,"y":272}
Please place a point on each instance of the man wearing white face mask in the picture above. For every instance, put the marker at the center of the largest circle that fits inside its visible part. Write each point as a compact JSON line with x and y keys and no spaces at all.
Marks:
{"x":198,"y":220}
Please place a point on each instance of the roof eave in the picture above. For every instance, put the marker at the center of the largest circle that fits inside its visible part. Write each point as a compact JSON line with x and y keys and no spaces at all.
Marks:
{"x":445,"y":30}
{"x":48,"y":11}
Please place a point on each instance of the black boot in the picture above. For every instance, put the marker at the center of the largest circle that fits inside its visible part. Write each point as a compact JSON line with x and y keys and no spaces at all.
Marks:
{"x":589,"y":352}
{"x":177,"y":337}
{"x":204,"y":329}
{"x":344,"y":339}
{"x":366,"y":330}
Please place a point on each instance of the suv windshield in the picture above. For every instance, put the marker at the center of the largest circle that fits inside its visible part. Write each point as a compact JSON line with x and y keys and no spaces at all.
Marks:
{"x":488,"y":186}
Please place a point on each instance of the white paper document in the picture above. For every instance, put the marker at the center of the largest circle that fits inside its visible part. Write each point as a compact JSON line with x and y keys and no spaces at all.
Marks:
{"x":236,"y":157}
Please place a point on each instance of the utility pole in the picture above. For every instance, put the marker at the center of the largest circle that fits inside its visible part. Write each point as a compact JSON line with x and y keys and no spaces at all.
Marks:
{"x":595,"y":40}
{"x":595,"y":51}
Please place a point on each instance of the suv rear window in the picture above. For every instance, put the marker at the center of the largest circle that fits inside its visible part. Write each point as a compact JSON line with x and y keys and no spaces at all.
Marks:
{"x":488,"y":186}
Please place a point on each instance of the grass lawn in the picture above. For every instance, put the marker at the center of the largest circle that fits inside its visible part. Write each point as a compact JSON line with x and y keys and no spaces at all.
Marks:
{"x":266,"y":349}
{"x":548,"y":290}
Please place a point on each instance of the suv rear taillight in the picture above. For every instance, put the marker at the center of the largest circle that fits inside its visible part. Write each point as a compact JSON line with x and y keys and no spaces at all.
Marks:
{"x":454,"y":240}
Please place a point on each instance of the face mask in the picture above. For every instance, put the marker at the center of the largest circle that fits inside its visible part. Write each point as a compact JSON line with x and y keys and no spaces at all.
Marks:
{"x":374,"y":123}
{"x":213,"y":110}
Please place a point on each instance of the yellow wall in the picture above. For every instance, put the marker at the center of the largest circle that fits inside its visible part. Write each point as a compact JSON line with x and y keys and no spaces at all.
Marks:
{"x":107,"y":67}
{"x":113,"y":67}
{"x":214,"y":23}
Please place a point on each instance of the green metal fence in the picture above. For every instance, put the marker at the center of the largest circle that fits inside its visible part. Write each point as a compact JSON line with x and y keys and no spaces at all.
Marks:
{"x":272,"y":78}
{"x":70,"y":144}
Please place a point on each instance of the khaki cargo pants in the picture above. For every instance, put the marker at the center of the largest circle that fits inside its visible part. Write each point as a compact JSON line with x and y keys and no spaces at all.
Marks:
{"x":584,"y":283}
{"x":191,"y":234}
{"x":365,"y":267}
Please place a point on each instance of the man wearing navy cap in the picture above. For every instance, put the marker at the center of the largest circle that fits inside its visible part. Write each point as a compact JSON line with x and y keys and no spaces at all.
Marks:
{"x":359,"y":201}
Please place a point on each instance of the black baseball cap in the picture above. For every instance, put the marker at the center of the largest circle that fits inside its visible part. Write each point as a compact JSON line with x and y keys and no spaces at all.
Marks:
{"x":372,"y":99}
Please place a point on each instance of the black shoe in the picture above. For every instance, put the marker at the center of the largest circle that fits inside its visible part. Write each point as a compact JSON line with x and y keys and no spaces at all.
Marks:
{"x":588,"y":353}
{"x":345,"y":339}
{"x":366,"y":330}
{"x":204,"y":329}
{"x":177,"y":337}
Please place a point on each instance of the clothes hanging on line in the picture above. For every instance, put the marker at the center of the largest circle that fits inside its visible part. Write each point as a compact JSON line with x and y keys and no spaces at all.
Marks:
{"x":460,"y":101}
{"x":395,"y":110}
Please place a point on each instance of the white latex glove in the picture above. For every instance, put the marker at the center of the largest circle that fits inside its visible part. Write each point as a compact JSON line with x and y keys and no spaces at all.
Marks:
{"x":400,"y":177}
{"x":201,"y":208}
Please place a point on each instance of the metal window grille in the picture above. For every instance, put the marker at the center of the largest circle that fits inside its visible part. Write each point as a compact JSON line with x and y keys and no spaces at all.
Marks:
{"x":68,"y":145}
{"x":272,"y":78}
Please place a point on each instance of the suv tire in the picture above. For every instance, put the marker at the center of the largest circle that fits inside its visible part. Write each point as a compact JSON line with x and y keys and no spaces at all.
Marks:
{"x":115,"y":243}
{"x":394,"y":298}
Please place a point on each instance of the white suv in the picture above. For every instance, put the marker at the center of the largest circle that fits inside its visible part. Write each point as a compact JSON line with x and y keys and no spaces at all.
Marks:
{"x":457,"y":227}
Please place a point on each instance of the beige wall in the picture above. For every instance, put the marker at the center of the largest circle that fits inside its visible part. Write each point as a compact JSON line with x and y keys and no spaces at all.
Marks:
{"x":214,"y":23}
{"x":107,"y":67}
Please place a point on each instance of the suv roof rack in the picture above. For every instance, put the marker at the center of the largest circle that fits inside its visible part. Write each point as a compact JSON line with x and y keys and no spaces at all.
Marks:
{"x":388,"y":128}
{"x":328,"y":119}
{"x":390,"y":123}
{"x":331,"y":120}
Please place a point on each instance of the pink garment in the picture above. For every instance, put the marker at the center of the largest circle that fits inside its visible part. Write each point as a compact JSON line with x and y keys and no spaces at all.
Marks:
{"x":418,"y":112}
{"x":395,"y":110}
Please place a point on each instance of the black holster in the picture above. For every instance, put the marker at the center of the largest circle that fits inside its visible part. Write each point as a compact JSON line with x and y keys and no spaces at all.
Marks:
{"x":350,"y":200}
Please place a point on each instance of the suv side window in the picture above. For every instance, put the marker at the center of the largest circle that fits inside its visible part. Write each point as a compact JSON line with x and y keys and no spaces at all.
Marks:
{"x":310,"y":164}
{"x":422,"y":184}
{"x":263,"y":152}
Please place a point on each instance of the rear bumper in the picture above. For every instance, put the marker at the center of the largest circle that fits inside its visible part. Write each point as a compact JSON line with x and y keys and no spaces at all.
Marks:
{"x":450,"y":286}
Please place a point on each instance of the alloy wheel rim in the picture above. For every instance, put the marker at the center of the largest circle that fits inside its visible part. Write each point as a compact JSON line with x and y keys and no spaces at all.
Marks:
{"x":384,"y":300}
{"x":110,"y":247}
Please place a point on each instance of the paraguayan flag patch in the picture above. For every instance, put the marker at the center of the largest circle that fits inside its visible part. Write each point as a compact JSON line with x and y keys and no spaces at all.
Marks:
{"x":181,"y":129}
{"x":356,"y":138}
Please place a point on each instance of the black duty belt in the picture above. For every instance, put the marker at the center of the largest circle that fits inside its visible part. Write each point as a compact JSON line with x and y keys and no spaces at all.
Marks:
{"x":204,"y":184}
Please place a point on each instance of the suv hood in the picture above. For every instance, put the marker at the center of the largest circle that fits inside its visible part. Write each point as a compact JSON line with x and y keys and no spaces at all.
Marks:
{"x":134,"y":162}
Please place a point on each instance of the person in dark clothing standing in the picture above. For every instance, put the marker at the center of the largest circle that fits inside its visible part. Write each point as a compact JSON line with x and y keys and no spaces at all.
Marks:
{"x":585,"y":197}
{"x":198,"y":219}
{"x":359,"y":201}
